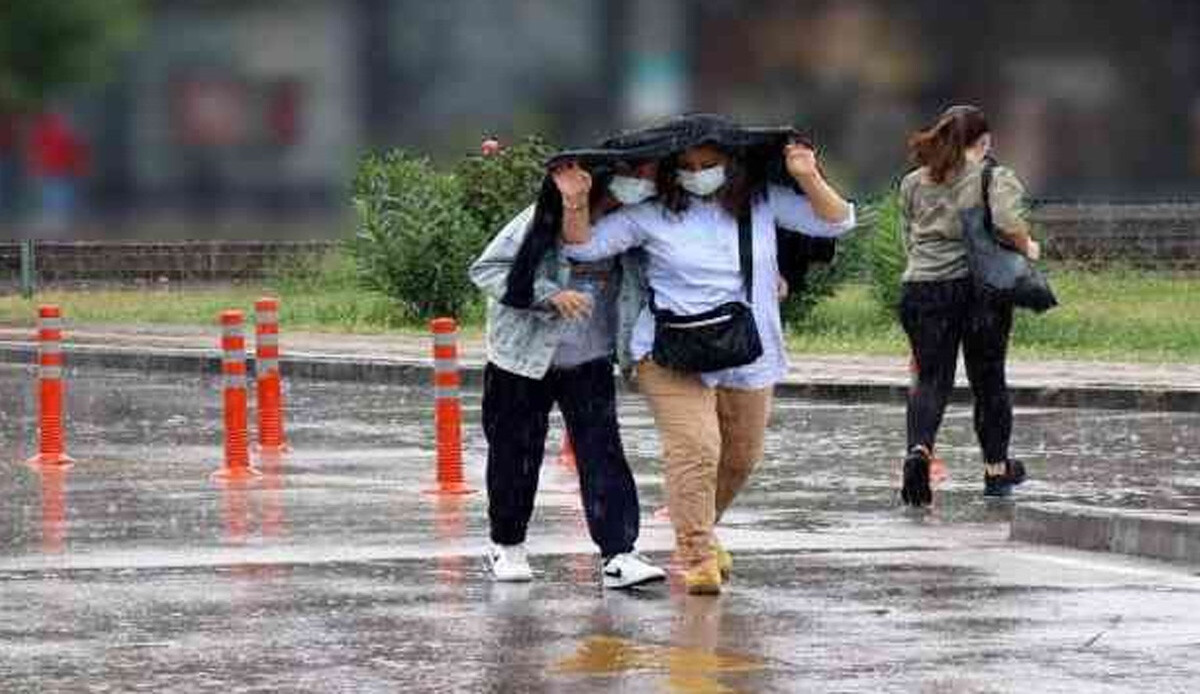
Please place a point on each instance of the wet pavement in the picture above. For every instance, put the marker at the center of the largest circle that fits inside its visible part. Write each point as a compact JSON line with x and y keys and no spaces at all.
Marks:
{"x":335,"y":571}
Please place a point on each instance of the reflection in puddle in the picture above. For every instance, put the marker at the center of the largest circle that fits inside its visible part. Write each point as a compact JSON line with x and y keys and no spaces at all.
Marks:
{"x":694,"y":667}
{"x":54,"y":507}
{"x":449,"y":524}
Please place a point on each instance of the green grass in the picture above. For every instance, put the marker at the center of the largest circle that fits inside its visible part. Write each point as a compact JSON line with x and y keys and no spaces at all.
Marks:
{"x":320,"y":296}
{"x":346,"y":310}
{"x":1112,"y":315}
{"x":848,"y":322}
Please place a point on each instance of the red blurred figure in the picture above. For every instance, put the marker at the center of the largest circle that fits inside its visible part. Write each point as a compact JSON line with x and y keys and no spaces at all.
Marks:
{"x":490,"y":146}
{"x":283,"y":113}
{"x":58,"y":158}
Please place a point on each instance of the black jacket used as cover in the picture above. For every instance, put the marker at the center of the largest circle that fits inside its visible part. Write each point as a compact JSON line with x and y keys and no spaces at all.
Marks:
{"x":761,"y":148}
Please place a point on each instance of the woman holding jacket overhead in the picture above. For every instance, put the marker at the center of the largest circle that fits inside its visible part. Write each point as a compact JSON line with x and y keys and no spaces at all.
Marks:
{"x":939,"y":307}
{"x":709,"y":247}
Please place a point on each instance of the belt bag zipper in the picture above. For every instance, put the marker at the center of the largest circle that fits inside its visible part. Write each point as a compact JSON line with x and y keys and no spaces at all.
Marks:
{"x":700,"y":324}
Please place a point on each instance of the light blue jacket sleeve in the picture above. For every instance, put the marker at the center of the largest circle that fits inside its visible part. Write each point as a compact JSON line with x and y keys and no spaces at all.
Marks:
{"x":794,"y":212}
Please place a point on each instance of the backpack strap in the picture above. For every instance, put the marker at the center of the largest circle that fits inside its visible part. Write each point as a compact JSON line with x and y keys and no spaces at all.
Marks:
{"x":986,"y":178}
{"x":746,"y":252}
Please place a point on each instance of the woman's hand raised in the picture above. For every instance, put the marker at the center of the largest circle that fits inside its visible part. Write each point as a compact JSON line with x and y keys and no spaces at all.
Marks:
{"x":574,"y":184}
{"x":801,"y":161}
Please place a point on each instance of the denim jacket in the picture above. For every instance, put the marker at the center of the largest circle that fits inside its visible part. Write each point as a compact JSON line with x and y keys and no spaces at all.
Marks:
{"x":523,"y":341}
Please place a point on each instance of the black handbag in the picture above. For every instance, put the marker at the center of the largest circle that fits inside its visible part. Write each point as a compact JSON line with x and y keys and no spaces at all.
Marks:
{"x":797,"y":252}
{"x":999,"y":271}
{"x":720,"y":338}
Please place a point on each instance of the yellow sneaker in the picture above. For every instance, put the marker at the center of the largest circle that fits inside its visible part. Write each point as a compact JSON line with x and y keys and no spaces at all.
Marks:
{"x":724,"y":560}
{"x":703,"y":579}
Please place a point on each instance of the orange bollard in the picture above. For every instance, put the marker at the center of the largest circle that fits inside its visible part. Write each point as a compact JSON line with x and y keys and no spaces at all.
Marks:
{"x":233,"y":374}
{"x":51,"y":391}
{"x":937,"y":471}
{"x":448,"y":409}
{"x":566,"y":454}
{"x":268,"y":378}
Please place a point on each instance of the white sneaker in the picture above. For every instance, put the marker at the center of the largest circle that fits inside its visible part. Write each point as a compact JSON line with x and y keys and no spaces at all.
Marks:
{"x":629,"y":570}
{"x":509,"y":564}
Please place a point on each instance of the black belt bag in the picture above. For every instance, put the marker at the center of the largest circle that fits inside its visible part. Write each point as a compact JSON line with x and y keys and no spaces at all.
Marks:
{"x":720,"y":338}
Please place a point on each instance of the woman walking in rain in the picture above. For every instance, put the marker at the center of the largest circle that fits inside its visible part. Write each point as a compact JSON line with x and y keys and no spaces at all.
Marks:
{"x":709,"y":244}
{"x":941,"y":310}
{"x":551,"y":336}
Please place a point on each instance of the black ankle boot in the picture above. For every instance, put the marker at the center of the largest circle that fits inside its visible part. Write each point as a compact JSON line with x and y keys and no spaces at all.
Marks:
{"x":916,"y":491}
{"x":1001,"y":485}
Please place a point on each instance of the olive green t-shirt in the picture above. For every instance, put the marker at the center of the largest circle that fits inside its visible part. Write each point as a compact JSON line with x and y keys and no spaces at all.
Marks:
{"x":932,"y":219}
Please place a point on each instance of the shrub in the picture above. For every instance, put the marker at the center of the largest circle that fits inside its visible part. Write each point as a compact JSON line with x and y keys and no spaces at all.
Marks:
{"x":885,"y":254}
{"x":420,"y":229}
{"x":498,"y":186}
{"x":415,"y":236}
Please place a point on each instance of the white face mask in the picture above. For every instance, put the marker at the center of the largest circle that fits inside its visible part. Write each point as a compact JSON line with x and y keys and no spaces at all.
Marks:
{"x":629,"y":190}
{"x":703,"y":182}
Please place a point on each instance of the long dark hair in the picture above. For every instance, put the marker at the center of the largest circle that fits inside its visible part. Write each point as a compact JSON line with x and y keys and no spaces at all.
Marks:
{"x":539,"y":240}
{"x":542,"y":237}
{"x":940,"y":147}
{"x":742,"y":185}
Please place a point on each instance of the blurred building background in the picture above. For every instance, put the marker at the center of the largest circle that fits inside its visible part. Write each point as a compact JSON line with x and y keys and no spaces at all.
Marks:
{"x":246,"y":117}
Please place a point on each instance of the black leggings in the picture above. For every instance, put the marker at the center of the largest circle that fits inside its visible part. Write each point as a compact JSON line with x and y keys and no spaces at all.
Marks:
{"x":938,"y":317}
{"x":516,"y":413}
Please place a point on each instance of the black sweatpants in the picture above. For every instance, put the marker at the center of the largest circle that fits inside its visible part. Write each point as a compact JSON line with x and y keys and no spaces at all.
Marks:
{"x":938,"y":317}
{"x":516,"y":413}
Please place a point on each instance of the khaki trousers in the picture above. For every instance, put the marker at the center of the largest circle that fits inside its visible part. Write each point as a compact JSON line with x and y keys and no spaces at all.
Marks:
{"x":711,"y":440}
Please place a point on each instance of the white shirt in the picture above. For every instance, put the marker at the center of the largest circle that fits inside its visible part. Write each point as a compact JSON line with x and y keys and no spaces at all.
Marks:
{"x":692,"y":265}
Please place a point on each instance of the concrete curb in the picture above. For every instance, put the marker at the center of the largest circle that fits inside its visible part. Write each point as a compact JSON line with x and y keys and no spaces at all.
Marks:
{"x":296,"y":365}
{"x":399,"y":371}
{"x":1173,"y":537}
{"x":1071,"y":397}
